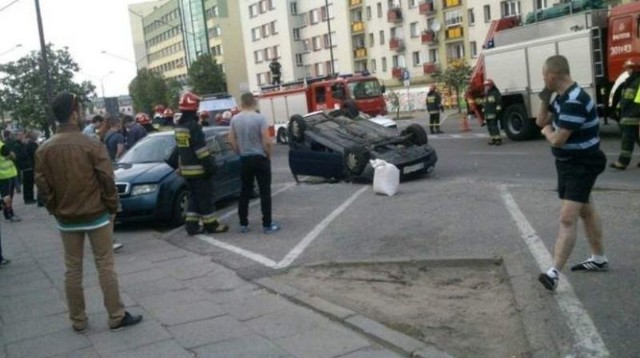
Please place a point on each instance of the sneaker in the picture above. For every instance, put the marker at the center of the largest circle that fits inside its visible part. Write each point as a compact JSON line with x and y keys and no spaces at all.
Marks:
{"x":127,"y":320}
{"x":550,"y":283}
{"x":271,"y":229}
{"x":244,"y":229}
{"x":117,"y":246}
{"x":81,"y":328}
{"x":590,"y":265}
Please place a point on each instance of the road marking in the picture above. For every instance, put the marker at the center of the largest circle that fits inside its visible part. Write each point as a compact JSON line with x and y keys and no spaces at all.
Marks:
{"x":588,"y":342}
{"x":302,"y":245}
{"x":256,"y":201}
{"x":240,"y":251}
{"x":498,"y":153}
{"x":459,"y":136}
{"x":298,"y":249}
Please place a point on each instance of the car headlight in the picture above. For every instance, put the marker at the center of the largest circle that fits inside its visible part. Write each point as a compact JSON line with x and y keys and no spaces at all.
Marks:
{"x":143,"y":189}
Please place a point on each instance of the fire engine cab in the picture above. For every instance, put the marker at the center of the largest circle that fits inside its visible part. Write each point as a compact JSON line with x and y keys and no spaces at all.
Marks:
{"x":279,"y":102}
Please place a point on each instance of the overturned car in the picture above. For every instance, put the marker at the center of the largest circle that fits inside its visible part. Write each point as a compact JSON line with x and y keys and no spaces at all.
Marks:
{"x":330,"y":145}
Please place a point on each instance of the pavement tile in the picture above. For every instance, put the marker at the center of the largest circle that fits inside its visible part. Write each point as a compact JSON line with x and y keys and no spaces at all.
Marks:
{"x":246,"y":347}
{"x":31,"y":298}
{"x":288,"y":323}
{"x":200,"y":333}
{"x":25,"y":287}
{"x":83,"y":353}
{"x":188,"y":269}
{"x":59,"y":343}
{"x":187,"y":312}
{"x":169,"y":299}
{"x":147,"y":332}
{"x":140,"y":276}
{"x":164,"y":349}
{"x":220,"y":280}
{"x":323,"y":342}
{"x":129,"y":264}
{"x":371,"y":352}
{"x":234,"y":294}
{"x":19,"y":311}
{"x":256,"y":306}
{"x":35,"y":327}
{"x":145,"y":289}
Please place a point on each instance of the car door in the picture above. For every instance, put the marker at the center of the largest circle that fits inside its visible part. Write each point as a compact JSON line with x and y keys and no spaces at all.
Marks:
{"x":232,"y":163}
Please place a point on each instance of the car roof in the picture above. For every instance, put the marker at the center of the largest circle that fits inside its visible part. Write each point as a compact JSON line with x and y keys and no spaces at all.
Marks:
{"x":210,"y":130}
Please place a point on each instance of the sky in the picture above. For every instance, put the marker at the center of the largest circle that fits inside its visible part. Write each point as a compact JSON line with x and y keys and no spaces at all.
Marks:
{"x":86,"y":27}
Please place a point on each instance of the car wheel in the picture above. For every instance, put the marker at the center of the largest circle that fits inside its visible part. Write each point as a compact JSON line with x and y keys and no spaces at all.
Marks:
{"x":518,"y":125}
{"x":296,"y":128}
{"x":281,"y":137}
{"x":180,"y":205}
{"x":417,"y":134}
{"x":355,"y":160}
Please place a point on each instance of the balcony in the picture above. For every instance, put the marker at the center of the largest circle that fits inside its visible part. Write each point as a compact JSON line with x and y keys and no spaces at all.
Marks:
{"x":394,"y":15}
{"x":357,"y":27}
{"x":396,"y":44}
{"x":429,"y":68}
{"x":428,"y":38}
{"x":451,"y":3}
{"x":454,"y":33}
{"x":355,"y":3}
{"x":360,"y":53}
{"x":396,"y":72}
{"x":427,"y":8}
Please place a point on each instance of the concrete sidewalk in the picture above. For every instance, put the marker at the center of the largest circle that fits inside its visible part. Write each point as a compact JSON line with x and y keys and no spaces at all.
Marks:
{"x":192,"y":306}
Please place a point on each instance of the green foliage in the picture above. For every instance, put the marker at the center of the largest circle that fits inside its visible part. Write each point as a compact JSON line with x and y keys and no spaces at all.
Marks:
{"x":456,"y":76}
{"x":147,"y":90}
{"x":174,"y":88}
{"x":23,"y":90}
{"x":206,"y":76}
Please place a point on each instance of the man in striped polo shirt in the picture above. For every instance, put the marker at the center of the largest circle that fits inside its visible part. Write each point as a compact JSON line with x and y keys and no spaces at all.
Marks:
{"x":570,"y":124}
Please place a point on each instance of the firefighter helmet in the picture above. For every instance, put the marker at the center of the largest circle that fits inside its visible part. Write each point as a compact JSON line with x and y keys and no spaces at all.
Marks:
{"x":168,"y":113}
{"x":632,"y":64}
{"x":143,"y":118}
{"x":189,"y":102}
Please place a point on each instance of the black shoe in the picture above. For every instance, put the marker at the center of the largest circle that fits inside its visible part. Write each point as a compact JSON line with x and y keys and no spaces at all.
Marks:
{"x":127,"y":320}
{"x":590,"y":265}
{"x":550,"y":283}
{"x":498,"y":142}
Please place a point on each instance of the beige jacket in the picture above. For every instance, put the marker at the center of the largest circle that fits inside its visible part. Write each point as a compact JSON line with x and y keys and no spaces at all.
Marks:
{"x":74,"y":176}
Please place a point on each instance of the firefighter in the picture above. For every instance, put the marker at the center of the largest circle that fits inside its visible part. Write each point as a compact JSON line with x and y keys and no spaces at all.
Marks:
{"x":203,"y":118}
{"x":275,"y":69}
{"x":434,"y":107}
{"x":197,"y":166}
{"x":168,"y":117}
{"x":492,"y":109}
{"x":144,"y":120}
{"x":629,"y":114}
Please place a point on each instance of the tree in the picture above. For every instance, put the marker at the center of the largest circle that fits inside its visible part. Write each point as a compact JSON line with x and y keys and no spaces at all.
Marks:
{"x":23,"y":93}
{"x":206,"y":76}
{"x":147,"y":90}
{"x":456,"y":76}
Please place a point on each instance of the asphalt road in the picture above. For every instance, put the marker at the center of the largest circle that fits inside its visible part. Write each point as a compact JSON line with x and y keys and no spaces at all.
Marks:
{"x":460,"y":210}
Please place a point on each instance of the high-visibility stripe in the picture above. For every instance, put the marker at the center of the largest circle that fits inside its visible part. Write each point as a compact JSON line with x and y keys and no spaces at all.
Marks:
{"x":202,"y":153}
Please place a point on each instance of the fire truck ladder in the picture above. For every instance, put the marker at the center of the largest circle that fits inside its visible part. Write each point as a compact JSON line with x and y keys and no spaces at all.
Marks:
{"x":598,"y":56}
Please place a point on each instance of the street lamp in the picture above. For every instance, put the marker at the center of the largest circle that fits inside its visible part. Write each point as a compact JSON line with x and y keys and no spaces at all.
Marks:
{"x":102,"y":81}
{"x":11,"y":49}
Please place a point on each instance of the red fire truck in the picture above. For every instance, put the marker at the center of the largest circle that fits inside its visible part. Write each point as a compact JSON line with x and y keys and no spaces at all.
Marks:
{"x":596,"y":42}
{"x":279,"y":102}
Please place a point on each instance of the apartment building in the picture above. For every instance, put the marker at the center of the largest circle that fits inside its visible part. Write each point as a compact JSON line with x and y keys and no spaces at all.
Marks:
{"x":176,"y":32}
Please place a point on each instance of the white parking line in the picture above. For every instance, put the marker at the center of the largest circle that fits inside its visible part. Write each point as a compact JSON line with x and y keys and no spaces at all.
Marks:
{"x":298,"y":249}
{"x":588,"y":342}
{"x":257,"y":201}
{"x":302,"y":245}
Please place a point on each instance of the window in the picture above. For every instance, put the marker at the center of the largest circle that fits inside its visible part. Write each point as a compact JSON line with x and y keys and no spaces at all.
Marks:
{"x":413,"y":3}
{"x":381,"y":37}
{"x":510,"y":8}
{"x":371,"y":40}
{"x":379,"y":10}
{"x":313,"y":16}
{"x":258,"y":56}
{"x":276,"y":51}
{"x":396,"y":61}
{"x":271,"y":6}
{"x":216,"y":31}
{"x":253,"y":10}
{"x":433,"y":55}
{"x":541,"y":4}
{"x":299,"y":61}
{"x":327,"y":13}
{"x":296,"y":34}
{"x":305,"y":46}
{"x":393,"y":4}
{"x":373,"y":65}
{"x":293,"y":8}
{"x":487,"y":13}
{"x":452,"y":3}
{"x":263,"y":6}
{"x":326,"y":40}
{"x":416,"y":59}
{"x":368,"y":12}
{"x":316,"y":43}
{"x":265,"y":30}
{"x":319,"y":69}
{"x":328,"y":67}
{"x":471,"y":17}
{"x":452,"y":18}
{"x":268,"y":53}
{"x":413,"y":29}
{"x":384,"y":64}
{"x":474,"y":48}
{"x":272,"y":28}
{"x":455,"y":51}
{"x":255,"y":34}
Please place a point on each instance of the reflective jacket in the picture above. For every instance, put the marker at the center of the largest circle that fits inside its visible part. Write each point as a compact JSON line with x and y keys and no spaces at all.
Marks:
{"x":434,"y":102}
{"x":7,"y":167}
{"x":492,"y":104}
{"x":629,"y":109}
{"x":195,"y":161}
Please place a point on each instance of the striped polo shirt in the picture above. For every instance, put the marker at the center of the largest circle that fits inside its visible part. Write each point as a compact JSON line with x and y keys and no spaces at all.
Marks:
{"x":575,"y":110}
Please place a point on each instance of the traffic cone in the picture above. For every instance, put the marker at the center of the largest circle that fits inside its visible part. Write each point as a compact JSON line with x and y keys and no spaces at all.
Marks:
{"x":464,"y":126}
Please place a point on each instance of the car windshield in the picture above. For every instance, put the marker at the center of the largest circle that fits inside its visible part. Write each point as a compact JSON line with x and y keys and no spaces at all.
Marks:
{"x":365,"y":89}
{"x":152,"y":149}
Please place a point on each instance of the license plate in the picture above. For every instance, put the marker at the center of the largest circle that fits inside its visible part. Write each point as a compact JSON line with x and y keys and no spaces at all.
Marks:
{"x":412,"y":168}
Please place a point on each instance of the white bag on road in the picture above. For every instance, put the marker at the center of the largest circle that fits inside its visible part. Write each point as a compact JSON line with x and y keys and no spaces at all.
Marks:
{"x":386,"y":177}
